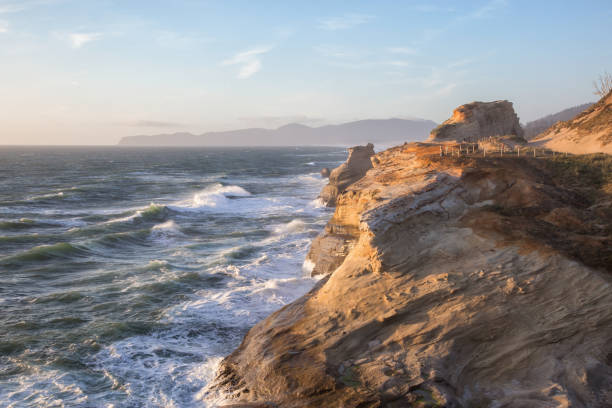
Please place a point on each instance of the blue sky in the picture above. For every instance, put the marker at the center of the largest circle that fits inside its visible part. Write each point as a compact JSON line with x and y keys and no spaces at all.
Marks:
{"x":91,"y":71}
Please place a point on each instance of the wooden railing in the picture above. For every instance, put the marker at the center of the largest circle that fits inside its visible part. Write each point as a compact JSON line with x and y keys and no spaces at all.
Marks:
{"x":495,"y":149}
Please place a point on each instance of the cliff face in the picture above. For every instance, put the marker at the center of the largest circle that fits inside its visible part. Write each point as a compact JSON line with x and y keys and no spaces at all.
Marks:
{"x":478,"y":120}
{"x":463,"y":282}
{"x":589,"y":132}
{"x":355,"y":167}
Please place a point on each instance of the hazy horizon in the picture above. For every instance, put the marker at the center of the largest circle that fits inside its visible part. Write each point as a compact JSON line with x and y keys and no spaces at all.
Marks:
{"x":90,"y":73}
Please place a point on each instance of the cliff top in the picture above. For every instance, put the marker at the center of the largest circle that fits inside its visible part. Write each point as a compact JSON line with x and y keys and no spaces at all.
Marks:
{"x":477,"y":120}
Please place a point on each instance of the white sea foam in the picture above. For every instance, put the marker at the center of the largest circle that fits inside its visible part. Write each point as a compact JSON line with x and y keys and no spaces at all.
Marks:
{"x":317,"y":203}
{"x":152,"y":209}
{"x":45,"y":196}
{"x":216,"y":197}
{"x":169,"y":365}
{"x":307,"y":267}
{"x":166,"y":231}
{"x":294,"y":226}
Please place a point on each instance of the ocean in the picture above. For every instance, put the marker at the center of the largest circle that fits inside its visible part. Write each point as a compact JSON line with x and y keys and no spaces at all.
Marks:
{"x":128,"y":273}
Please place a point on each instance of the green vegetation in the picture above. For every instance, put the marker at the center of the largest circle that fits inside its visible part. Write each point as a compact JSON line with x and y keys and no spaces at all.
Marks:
{"x":427,"y":399}
{"x":591,"y":173}
{"x":349,"y":378}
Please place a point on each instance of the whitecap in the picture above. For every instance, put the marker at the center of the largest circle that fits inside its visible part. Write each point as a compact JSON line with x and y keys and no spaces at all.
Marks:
{"x":45,"y":196}
{"x":153,"y":210}
{"x":292,"y":227}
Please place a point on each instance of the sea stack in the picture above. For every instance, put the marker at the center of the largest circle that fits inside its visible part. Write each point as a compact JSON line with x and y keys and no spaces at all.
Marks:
{"x":477,"y":120}
{"x":354,"y":168}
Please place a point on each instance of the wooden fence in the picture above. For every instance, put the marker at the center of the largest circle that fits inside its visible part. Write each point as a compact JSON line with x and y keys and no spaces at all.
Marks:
{"x":494,"y":149}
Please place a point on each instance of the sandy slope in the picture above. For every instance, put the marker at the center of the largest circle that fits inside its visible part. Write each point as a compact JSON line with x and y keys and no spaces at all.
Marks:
{"x":589,"y":132}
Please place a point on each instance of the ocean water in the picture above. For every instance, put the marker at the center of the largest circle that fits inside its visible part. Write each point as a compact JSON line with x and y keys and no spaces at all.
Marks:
{"x":126,"y":274}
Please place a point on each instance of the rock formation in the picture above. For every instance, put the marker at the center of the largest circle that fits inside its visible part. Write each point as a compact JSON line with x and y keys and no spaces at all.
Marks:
{"x":478,"y":120}
{"x":589,"y":132}
{"x":354,"y":168}
{"x":465,"y":282}
{"x":325,"y":172}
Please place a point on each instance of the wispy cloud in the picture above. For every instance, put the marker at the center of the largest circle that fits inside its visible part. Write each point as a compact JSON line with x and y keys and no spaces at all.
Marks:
{"x":445,"y":90}
{"x":399,"y":63}
{"x":250,"y":61}
{"x":78,"y":40}
{"x":343,"y":22}
{"x":15,"y":6}
{"x":3,"y":27}
{"x":172,"y":39}
{"x":433,"y":8}
{"x":488,"y":8}
{"x":335,"y":51}
{"x":460,"y":63}
{"x":402,"y":50}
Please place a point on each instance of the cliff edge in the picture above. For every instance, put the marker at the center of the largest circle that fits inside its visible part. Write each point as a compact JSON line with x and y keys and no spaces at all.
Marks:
{"x":466,"y":282}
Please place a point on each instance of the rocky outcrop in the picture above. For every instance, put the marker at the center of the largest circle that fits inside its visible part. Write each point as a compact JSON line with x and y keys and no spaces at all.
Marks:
{"x":478,"y":120}
{"x":354,"y":168}
{"x":589,"y":132}
{"x":468,"y":282}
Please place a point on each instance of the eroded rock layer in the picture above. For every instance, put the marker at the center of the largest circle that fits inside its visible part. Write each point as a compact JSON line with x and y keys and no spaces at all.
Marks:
{"x":478,"y":120}
{"x":463,"y":282}
{"x":354,"y":168}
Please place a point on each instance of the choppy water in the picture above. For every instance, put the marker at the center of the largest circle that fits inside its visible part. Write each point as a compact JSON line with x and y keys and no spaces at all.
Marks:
{"x":126,"y":274}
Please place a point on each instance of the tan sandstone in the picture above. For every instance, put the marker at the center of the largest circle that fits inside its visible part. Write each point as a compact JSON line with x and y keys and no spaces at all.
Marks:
{"x":463,"y":282}
{"x":478,"y":120}
{"x":354,"y":168}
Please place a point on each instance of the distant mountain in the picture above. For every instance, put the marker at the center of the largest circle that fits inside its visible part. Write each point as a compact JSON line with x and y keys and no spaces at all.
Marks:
{"x":589,"y":132}
{"x":534,"y":128}
{"x":377,"y":131}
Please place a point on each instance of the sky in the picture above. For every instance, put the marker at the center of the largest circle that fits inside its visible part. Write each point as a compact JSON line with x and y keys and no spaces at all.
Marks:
{"x":92,"y":71}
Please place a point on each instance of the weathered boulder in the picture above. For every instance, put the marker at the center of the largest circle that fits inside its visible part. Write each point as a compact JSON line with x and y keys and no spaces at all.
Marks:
{"x":478,"y":120}
{"x":325,"y":172}
{"x":354,"y":168}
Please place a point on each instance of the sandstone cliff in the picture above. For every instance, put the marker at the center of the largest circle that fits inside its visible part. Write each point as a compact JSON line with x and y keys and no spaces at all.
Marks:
{"x":465,"y":282}
{"x":478,"y":120}
{"x":589,"y":132}
{"x":354,"y":168}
